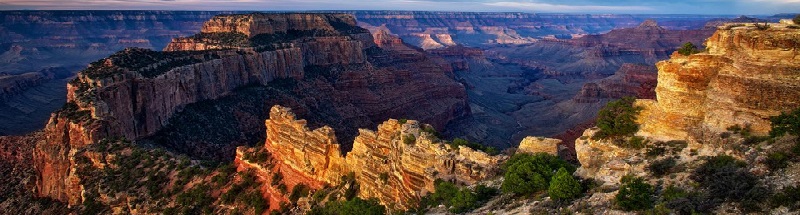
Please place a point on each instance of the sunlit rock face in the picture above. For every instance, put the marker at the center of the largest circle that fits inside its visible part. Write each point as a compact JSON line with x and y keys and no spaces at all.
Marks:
{"x":539,"y":144}
{"x":134,"y":93}
{"x":396,"y":164}
{"x":744,"y":77}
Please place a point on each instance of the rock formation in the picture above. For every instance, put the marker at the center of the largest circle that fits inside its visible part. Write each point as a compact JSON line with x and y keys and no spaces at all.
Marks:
{"x":539,"y":144}
{"x":397,"y":164}
{"x":332,"y":65}
{"x":744,"y":77}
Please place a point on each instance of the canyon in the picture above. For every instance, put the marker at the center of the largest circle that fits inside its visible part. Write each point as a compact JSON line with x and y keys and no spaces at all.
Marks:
{"x":281,"y":106}
{"x":134,"y":93}
{"x":27,"y":43}
{"x":549,"y":87}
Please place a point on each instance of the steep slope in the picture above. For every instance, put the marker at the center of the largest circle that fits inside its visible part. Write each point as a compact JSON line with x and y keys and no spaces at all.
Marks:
{"x":743,"y":78}
{"x":321,"y":62}
{"x":396,"y":164}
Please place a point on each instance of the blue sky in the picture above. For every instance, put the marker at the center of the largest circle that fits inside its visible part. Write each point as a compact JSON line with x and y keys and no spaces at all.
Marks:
{"x":565,"y":6}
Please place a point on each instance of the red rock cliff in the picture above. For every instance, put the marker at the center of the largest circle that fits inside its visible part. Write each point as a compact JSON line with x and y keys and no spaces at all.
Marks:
{"x":397,"y":164}
{"x":133,"y":94}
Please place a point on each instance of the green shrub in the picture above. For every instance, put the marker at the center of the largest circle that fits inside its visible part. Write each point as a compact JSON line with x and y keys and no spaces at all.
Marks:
{"x":563,"y":186}
{"x":464,"y":200}
{"x":688,"y":49}
{"x":634,"y":142}
{"x":725,"y":178}
{"x":485,"y":193}
{"x":634,"y":194}
{"x":662,"y":167}
{"x":299,"y":190}
{"x":410,"y":139}
{"x":777,"y":160}
{"x":527,"y":174}
{"x":789,"y":197}
{"x":256,"y":201}
{"x":355,"y":206}
{"x":443,"y":192}
{"x":796,"y":19}
{"x":672,"y":193}
{"x":617,"y":119}
{"x":786,"y":123}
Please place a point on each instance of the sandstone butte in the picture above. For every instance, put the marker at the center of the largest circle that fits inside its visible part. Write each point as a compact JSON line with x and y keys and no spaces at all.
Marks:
{"x":744,"y":77}
{"x":397,"y":164}
{"x":133,"y":93}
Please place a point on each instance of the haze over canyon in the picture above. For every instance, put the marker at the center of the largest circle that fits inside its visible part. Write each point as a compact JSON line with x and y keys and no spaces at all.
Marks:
{"x":398,"y":112}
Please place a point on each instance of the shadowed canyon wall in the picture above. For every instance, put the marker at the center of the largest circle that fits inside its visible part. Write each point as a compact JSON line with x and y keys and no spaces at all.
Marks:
{"x":134,"y":93}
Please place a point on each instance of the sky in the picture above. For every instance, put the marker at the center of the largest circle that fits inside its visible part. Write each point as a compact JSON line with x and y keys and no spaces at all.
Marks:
{"x":733,"y":7}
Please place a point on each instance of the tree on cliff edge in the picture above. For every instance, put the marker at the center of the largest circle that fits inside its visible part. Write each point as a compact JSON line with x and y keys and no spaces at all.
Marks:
{"x":618,"y":119}
{"x":688,"y":49}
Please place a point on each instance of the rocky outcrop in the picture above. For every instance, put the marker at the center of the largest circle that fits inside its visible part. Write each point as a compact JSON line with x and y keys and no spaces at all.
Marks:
{"x":396,"y":164}
{"x":134,"y":93}
{"x":539,"y":144}
{"x":744,"y":77}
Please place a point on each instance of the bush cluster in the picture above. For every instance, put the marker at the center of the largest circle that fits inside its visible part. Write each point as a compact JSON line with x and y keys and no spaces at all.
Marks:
{"x":724,"y":178}
{"x":531,"y":173}
{"x":459,"y":200}
{"x":564,"y":186}
{"x":634,"y":194}
{"x":688,"y":49}
{"x":355,"y":206}
{"x":662,"y":167}
{"x":617,"y":119}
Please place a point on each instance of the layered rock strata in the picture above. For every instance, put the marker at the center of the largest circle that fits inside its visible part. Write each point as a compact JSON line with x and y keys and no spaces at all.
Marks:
{"x":329,"y":60}
{"x":539,"y":144}
{"x":433,"y":30}
{"x":745,"y":76}
{"x":396,"y":164}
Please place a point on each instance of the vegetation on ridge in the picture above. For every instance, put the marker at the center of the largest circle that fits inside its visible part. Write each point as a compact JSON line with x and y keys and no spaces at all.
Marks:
{"x":617,"y":119}
{"x":530,"y":173}
{"x":689,"y":49}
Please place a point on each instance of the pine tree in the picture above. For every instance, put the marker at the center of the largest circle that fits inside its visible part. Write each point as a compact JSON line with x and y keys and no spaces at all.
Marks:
{"x":563,"y":186}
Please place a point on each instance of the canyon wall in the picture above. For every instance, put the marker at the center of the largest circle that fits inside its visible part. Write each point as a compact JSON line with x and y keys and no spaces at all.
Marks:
{"x":744,"y":77}
{"x":433,"y":30}
{"x":397,"y":164}
{"x":134,"y":93}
